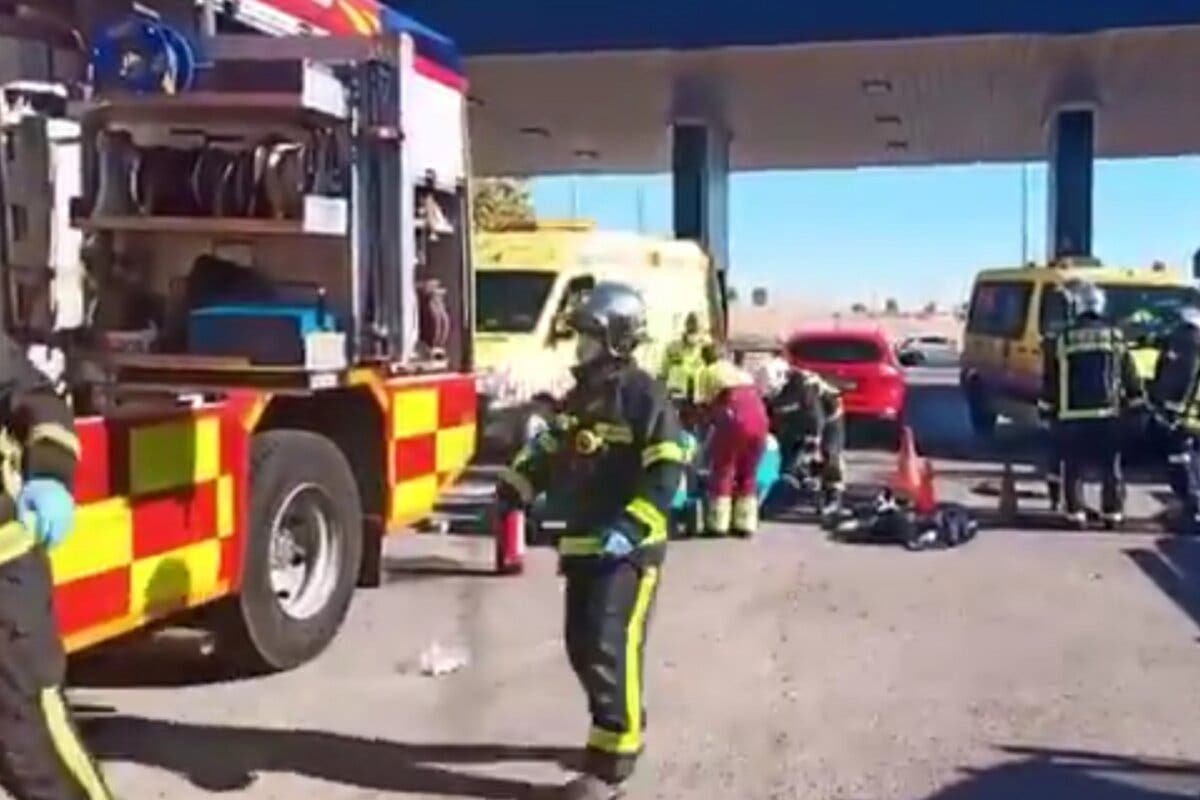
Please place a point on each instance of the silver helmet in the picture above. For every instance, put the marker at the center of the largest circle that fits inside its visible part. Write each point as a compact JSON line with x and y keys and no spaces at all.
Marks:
{"x":1087,"y":299}
{"x":615,"y":315}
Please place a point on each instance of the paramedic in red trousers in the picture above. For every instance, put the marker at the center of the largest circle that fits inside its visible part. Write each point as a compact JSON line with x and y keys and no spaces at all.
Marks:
{"x":613,"y":457}
{"x":41,"y":756}
{"x":738,"y":428}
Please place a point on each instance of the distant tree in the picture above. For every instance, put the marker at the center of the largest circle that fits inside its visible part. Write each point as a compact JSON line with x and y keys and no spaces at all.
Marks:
{"x":931,"y":308}
{"x":731,"y":296}
{"x":859,"y":308}
{"x":499,"y":203}
{"x":759,"y":296}
{"x":892,"y":306}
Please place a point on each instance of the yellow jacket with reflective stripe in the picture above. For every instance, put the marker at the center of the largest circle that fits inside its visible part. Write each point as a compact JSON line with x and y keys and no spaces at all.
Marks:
{"x":37,"y":439}
{"x":612,"y":460}
{"x":1089,"y":373}
{"x":681,"y":365}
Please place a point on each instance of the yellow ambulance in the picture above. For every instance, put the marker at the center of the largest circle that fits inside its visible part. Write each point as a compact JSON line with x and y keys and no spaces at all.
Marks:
{"x":1012,"y":310}
{"x":527,"y":280}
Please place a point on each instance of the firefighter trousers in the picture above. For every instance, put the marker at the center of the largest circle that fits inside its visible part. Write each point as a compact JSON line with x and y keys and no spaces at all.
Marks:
{"x":1086,"y":446}
{"x":831,"y":471}
{"x":41,"y":754}
{"x":1183,"y":471}
{"x":608,"y":609}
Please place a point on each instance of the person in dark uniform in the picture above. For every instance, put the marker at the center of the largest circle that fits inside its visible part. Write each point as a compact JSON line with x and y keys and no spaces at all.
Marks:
{"x":1089,"y":382}
{"x":1060,"y":295}
{"x":613,"y":458}
{"x":808,"y":420}
{"x":1174,"y":395}
{"x":41,"y":756}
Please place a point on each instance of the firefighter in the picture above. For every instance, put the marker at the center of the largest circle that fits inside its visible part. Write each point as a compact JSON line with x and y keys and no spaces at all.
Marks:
{"x":772,"y":374}
{"x":738,"y":425}
{"x":1054,"y":462}
{"x":1174,"y":395}
{"x":807,"y":417}
{"x":613,"y":458}
{"x":41,"y":755}
{"x":1089,"y":381}
{"x":682,"y":361}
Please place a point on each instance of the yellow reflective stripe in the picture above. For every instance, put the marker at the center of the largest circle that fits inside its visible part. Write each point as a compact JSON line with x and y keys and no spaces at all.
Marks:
{"x":616,"y":434}
{"x":621,"y":744}
{"x":15,"y":541}
{"x":648,"y":514}
{"x":69,"y":748}
{"x":634,"y":635}
{"x":518,"y":483}
{"x":523,"y":456}
{"x":663,"y":451}
{"x":547,"y":442}
{"x":1097,"y":413}
{"x":58,"y":434}
{"x":579,"y":546}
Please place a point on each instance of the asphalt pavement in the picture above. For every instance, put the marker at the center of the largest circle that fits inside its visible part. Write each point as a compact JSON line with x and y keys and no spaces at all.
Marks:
{"x":1032,"y":663}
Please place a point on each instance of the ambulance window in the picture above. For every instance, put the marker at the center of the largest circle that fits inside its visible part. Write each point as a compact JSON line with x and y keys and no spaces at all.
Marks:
{"x":511,"y":301}
{"x":1053,"y":315}
{"x":1000,"y":309}
{"x":575,"y":291}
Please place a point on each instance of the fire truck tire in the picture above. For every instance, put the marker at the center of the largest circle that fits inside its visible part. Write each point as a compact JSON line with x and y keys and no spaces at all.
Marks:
{"x":302,"y":553}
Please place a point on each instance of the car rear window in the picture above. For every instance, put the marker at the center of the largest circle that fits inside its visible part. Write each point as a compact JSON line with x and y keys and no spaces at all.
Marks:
{"x":836,"y":350}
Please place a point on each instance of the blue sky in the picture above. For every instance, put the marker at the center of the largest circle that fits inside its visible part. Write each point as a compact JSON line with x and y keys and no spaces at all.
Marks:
{"x":915,"y":234}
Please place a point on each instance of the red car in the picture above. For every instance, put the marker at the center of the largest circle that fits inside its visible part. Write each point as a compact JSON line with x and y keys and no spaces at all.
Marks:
{"x":861,"y":363}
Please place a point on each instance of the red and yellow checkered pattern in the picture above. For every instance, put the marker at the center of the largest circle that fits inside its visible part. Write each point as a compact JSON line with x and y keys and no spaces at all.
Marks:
{"x":160,"y":517}
{"x":432,"y":439}
{"x":163,"y":501}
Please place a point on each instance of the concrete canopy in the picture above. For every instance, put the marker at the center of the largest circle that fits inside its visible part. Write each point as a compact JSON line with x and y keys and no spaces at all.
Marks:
{"x":579,"y":87}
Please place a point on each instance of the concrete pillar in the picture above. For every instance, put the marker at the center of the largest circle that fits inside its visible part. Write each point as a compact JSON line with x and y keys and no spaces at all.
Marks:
{"x":1072,"y":146}
{"x":700,"y":167}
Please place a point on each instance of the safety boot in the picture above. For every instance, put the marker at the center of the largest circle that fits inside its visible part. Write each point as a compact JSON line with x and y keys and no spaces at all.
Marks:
{"x":589,"y":787}
{"x":830,"y":509}
{"x":1113,"y":521}
{"x":745,"y":517}
{"x":1076,"y":520}
{"x":1054,"y":494}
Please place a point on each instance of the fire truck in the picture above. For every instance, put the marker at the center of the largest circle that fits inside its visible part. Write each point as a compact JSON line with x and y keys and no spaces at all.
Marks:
{"x":256,"y":290}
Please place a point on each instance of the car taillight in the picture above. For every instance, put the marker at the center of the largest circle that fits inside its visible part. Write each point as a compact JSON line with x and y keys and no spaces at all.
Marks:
{"x":887,"y":370}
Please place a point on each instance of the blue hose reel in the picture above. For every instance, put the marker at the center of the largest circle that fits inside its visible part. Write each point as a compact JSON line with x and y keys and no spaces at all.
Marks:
{"x":143,"y":56}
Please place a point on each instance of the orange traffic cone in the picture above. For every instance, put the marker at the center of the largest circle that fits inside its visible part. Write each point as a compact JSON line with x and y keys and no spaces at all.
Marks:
{"x":510,"y":542}
{"x":925,"y":503}
{"x":906,"y":481}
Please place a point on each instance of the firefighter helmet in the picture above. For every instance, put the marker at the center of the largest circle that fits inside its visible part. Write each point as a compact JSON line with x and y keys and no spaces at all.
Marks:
{"x":1087,"y":299}
{"x":614,"y":315}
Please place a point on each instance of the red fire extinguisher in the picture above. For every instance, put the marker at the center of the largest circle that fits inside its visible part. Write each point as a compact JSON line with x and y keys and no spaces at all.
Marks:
{"x":510,"y":542}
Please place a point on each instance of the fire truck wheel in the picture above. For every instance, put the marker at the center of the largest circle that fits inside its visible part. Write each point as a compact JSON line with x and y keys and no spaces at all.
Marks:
{"x":303,"y":550}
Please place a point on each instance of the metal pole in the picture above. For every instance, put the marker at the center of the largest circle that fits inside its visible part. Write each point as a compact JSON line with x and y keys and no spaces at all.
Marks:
{"x":1024,"y":213}
{"x":574,"y":197}
{"x":641,"y":210}
{"x":208,"y":18}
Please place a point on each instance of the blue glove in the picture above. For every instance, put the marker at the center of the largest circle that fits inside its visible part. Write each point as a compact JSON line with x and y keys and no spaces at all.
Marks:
{"x":617,"y":544}
{"x":47,"y":509}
